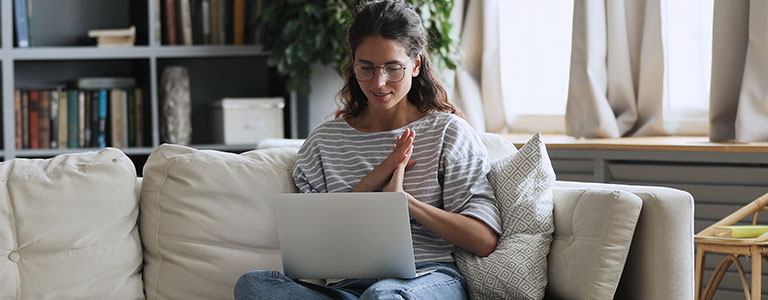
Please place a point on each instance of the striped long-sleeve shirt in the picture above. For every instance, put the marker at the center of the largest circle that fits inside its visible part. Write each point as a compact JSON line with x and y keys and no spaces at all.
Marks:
{"x":450,"y":170}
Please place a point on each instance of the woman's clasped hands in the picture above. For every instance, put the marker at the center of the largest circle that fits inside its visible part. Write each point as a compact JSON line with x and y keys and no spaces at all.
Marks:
{"x":389,"y":174}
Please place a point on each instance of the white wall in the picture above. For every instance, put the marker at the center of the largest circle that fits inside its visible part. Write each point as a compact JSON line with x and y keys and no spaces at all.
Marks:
{"x":325,"y":82}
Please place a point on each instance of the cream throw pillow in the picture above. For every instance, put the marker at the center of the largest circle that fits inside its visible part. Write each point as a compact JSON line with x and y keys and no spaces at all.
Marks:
{"x":206,"y":218}
{"x":68,"y":228}
{"x":517,"y":269}
{"x":595,"y":228}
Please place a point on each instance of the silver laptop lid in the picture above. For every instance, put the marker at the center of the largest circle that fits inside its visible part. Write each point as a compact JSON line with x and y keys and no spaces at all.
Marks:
{"x":345,"y":235}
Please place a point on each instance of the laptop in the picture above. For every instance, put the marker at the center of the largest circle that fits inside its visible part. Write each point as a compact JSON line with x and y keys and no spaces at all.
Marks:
{"x":345,"y":235}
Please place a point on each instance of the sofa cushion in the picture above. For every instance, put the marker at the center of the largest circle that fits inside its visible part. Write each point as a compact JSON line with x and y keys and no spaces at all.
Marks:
{"x":206,"y":218}
{"x":660,"y":262}
{"x":68,"y":228}
{"x":593,"y":237}
{"x":497,"y":146}
{"x":517,"y":269}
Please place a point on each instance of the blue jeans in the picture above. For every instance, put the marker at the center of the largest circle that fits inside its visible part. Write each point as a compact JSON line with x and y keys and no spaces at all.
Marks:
{"x":444,"y":283}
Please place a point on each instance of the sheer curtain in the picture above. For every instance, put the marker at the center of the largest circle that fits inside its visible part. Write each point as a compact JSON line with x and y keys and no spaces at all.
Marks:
{"x":617,"y":78}
{"x":477,"y":81}
{"x":739,"y":93}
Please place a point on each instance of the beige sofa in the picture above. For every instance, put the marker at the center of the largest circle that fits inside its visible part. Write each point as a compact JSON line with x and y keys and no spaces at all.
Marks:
{"x":82,"y":226}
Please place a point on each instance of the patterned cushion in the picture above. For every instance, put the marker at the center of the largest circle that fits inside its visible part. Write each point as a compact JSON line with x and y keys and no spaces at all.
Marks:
{"x":517,"y":269}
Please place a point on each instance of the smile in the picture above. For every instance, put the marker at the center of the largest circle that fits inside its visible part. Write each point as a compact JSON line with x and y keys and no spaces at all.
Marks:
{"x":380,"y":95}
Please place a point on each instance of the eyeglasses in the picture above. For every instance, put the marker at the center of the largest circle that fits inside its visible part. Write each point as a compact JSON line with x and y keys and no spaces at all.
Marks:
{"x":393,"y":72}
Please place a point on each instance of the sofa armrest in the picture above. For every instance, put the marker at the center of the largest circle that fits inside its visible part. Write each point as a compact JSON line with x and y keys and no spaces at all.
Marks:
{"x":660,"y":264}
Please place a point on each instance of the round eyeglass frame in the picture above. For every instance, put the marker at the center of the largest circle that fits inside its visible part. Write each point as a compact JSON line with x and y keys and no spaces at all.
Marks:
{"x":386,"y":75}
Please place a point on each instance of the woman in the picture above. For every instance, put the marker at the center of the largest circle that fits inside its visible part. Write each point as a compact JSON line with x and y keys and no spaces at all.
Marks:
{"x":391,"y":96}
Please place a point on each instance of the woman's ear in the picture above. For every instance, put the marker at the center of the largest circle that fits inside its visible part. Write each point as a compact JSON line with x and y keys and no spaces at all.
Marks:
{"x":416,"y":65}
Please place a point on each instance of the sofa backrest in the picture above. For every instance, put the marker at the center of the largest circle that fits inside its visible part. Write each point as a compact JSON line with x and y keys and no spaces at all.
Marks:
{"x":68,"y":228}
{"x":206,"y":219}
{"x":214,"y":225}
{"x":660,"y":262}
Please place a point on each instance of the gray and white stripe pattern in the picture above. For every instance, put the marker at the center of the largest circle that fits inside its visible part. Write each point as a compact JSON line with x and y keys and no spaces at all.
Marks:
{"x":450,"y":171}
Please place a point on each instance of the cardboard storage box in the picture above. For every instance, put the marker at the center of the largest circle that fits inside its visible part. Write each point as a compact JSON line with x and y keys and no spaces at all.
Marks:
{"x":247,"y":120}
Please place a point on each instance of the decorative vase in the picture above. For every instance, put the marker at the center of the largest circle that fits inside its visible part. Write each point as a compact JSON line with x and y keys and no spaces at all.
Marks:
{"x":175,"y":118}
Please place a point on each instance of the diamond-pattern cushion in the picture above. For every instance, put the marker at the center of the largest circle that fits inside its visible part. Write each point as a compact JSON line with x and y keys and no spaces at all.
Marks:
{"x":517,"y":269}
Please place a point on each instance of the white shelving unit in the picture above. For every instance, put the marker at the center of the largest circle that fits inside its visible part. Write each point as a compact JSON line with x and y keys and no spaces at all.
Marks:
{"x":215,"y":71}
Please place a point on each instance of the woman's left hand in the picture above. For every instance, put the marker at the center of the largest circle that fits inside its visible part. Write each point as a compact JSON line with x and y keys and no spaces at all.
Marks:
{"x":465,"y":232}
{"x":396,"y":181}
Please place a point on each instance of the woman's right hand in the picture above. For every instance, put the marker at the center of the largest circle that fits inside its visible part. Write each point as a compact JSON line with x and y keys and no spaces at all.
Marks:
{"x":383,"y":172}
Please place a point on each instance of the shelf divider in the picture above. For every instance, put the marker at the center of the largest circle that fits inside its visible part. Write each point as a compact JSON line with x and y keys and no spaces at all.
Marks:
{"x":77,"y":53}
{"x":208,"y":51}
{"x":54,"y":152}
{"x":87,"y":53}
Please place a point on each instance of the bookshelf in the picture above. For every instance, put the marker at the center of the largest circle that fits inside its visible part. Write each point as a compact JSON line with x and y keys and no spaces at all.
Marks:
{"x":56,"y":55}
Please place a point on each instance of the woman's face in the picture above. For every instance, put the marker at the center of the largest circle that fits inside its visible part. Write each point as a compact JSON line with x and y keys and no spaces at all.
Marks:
{"x":387,"y":60}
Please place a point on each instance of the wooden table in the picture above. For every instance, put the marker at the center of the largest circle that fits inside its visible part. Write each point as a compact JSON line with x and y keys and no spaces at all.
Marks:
{"x":754,"y":248}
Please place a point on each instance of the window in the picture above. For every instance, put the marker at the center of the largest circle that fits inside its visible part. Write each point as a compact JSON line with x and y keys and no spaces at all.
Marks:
{"x":689,"y":57}
{"x":535,"y":58}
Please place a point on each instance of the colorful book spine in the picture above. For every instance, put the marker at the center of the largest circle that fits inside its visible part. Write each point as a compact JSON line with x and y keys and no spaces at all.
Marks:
{"x":34,"y":119}
{"x":139,"y":118}
{"x":102,"y":138}
{"x":205,"y":11}
{"x":239,"y":22}
{"x":17,"y":118}
{"x":216,"y":38}
{"x":124,"y":117}
{"x":72,"y":119}
{"x":116,"y":120}
{"x":25,"y":119}
{"x":185,"y":14}
{"x":157,"y":21}
{"x":223,"y":17}
{"x":80,"y":119}
{"x":44,"y":114}
{"x":93,"y":119}
{"x":30,"y":22}
{"x":196,"y":10}
{"x":54,"y":123}
{"x":63,"y":119}
{"x":131,"y":117}
{"x":86,"y":118}
{"x":170,"y":22}
{"x":22,"y":23}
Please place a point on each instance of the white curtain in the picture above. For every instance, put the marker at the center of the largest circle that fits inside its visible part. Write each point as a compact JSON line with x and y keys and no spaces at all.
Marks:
{"x":477,"y":81}
{"x":617,"y":80}
{"x":739,"y":93}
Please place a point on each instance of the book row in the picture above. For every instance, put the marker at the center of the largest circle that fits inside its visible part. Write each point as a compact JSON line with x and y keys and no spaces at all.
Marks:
{"x":208,"y":22}
{"x":179,"y":22}
{"x":78,"y":118}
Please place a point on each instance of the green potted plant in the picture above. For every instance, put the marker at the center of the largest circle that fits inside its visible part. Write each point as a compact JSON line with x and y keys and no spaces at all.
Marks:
{"x":298,"y":33}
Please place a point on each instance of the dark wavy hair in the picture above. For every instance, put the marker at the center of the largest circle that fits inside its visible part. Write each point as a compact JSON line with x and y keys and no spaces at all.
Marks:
{"x":394,"y":20}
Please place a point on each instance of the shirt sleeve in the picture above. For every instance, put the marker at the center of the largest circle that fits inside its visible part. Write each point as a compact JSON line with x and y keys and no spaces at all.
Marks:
{"x":466,"y":189}
{"x":308,"y":173}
